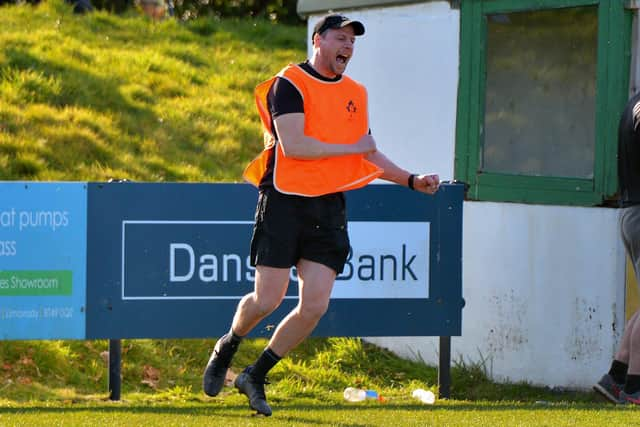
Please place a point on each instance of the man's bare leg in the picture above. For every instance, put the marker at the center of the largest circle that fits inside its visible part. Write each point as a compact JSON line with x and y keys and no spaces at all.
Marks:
{"x":612,"y":383}
{"x":315,"y":282}
{"x":622,"y":354}
{"x":632,"y":383}
{"x":633,"y":357}
{"x":270,"y":288}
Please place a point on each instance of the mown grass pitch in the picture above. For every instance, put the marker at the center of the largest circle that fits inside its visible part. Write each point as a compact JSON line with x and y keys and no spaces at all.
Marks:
{"x":233,"y":411}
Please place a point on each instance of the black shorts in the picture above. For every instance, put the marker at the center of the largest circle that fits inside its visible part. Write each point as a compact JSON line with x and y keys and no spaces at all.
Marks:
{"x":289,"y":228}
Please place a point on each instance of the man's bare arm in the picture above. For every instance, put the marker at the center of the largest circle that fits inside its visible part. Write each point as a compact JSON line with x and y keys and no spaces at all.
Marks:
{"x":426,"y":183}
{"x":295,"y":144}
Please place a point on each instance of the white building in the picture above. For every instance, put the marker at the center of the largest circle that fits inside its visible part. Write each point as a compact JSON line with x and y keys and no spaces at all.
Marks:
{"x":522,"y":103}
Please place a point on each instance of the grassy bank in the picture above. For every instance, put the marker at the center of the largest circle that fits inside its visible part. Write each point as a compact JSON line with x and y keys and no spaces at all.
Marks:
{"x":88,"y":98}
{"x":100,"y":96}
{"x":64,"y":383}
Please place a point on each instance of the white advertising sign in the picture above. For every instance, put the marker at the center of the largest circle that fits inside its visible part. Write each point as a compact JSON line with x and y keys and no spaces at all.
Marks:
{"x":388,"y":260}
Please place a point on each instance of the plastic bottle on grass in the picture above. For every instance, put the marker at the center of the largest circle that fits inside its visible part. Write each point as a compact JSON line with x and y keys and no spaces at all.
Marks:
{"x":353,"y":394}
{"x":425,"y":396}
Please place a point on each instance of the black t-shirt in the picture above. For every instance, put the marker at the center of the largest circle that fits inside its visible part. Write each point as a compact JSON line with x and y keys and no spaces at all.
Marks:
{"x":629,"y":153}
{"x":284,"y":98}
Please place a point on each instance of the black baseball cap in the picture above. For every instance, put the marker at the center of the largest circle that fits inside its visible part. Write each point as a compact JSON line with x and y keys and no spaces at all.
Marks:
{"x":337,"y":21}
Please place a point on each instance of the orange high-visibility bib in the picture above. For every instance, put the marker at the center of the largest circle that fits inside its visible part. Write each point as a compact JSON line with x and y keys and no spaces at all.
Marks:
{"x":335,"y":113}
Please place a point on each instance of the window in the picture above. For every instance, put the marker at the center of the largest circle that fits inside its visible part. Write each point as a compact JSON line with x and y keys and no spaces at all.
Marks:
{"x":542,"y":85}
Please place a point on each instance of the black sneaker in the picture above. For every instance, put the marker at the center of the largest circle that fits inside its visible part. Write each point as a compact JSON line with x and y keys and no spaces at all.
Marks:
{"x":254,"y":390}
{"x":630,"y":398}
{"x":216,"y":370}
{"x":610,"y":389}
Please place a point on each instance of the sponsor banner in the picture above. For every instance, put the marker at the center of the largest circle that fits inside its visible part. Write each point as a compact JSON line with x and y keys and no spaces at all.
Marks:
{"x":42,"y":260}
{"x":172,"y":261}
{"x":185,"y":260}
{"x":387,"y":260}
{"x":147,"y":260}
{"x":35,"y":283}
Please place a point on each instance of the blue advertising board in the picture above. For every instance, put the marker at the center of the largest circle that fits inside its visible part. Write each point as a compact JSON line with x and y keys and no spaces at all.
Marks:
{"x":172,"y":261}
{"x":42,"y":260}
{"x":146,"y":260}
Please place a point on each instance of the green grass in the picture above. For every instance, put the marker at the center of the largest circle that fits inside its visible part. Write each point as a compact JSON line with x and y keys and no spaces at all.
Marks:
{"x":101,"y":96}
{"x":88,"y":98}
{"x":65,"y":383}
{"x":314,"y":413}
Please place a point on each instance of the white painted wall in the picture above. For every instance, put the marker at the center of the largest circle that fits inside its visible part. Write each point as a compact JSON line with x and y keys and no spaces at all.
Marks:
{"x":408,"y":60}
{"x":544,"y":285}
{"x":544,"y":291}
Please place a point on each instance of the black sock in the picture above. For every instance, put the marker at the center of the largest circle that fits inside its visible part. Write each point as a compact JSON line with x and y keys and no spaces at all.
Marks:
{"x":233,"y":337}
{"x":632,"y":385}
{"x":265,"y":362}
{"x":618,"y":371}
{"x":228,"y":344}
